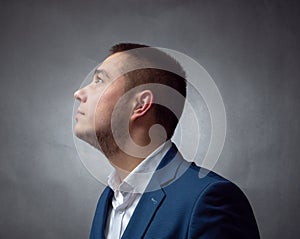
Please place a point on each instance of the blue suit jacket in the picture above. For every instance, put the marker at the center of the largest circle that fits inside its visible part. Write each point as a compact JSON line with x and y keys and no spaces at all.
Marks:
{"x":184,"y":205}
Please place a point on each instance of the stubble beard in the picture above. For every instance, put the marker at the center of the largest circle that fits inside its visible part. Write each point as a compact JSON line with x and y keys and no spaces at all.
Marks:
{"x":106,"y":143}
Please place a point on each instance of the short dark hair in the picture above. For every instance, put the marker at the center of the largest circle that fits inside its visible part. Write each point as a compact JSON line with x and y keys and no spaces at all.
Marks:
{"x":174,"y":79}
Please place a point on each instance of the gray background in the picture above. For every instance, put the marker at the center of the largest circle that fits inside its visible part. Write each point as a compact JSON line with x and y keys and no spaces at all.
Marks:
{"x":250,"y":48}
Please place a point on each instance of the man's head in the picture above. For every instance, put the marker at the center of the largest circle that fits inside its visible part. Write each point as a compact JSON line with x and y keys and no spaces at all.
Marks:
{"x":131,"y":70}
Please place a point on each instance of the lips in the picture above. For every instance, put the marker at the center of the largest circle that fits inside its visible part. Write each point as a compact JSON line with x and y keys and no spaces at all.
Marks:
{"x":80,"y":112}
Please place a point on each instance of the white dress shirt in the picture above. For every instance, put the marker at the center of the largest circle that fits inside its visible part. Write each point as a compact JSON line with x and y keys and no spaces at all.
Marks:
{"x":128,"y":193}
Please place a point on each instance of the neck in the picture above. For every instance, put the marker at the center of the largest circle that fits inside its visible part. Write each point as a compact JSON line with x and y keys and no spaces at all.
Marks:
{"x":124,"y":163}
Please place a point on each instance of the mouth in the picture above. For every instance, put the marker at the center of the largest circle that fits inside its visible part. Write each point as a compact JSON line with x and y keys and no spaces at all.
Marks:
{"x":80,"y":112}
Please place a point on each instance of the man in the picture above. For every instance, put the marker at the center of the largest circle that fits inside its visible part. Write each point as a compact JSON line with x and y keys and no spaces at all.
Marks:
{"x":129,"y":112}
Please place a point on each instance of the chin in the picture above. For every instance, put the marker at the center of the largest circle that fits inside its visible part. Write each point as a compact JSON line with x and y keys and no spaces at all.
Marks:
{"x":87,"y":136}
{"x":80,"y":133}
{"x":77,"y":131}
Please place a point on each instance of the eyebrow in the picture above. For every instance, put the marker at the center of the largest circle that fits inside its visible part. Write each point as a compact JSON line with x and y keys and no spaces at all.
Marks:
{"x":101,"y":71}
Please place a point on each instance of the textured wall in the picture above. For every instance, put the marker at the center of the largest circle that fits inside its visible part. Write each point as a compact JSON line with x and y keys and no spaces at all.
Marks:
{"x":250,"y":48}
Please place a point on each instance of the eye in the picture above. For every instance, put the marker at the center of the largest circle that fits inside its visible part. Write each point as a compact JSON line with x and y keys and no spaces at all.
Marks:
{"x":98,"y":80}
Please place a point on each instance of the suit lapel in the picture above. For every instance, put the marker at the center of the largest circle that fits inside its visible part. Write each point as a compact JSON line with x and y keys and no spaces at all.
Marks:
{"x":151,"y":200}
{"x":99,"y":222}
{"x":143,"y":214}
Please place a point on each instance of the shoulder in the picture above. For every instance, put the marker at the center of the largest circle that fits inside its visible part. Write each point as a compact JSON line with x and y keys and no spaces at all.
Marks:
{"x":175,"y":172}
{"x":198,"y":180}
{"x":221,"y":206}
{"x":208,"y":186}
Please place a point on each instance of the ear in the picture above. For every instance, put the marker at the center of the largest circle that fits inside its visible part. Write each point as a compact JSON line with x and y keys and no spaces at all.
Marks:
{"x":142,"y":104}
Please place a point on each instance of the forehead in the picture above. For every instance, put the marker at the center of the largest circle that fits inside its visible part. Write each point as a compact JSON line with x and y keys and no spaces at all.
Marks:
{"x":113,"y":66}
{"x":121,"y":63}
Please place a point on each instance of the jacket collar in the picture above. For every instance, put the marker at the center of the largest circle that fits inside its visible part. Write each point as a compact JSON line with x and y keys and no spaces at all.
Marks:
{"x":171,"y":167}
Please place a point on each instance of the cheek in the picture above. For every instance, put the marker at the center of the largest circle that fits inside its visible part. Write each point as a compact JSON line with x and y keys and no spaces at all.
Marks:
{"x":105,"y":106}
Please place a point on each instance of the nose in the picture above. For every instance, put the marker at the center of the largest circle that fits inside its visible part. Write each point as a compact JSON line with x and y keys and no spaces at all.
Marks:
{"x":80,"y":95}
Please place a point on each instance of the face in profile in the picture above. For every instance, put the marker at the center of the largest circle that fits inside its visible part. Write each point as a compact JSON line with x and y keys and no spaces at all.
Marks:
{"x":97,"y":102}
{"x":132,"y":127}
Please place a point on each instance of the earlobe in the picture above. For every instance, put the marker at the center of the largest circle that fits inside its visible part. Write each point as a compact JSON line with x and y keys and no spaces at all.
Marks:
{"x":143,"y":103}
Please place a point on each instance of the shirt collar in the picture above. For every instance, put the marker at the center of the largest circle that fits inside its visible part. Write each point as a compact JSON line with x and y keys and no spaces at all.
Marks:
{"x":139,"y":178}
